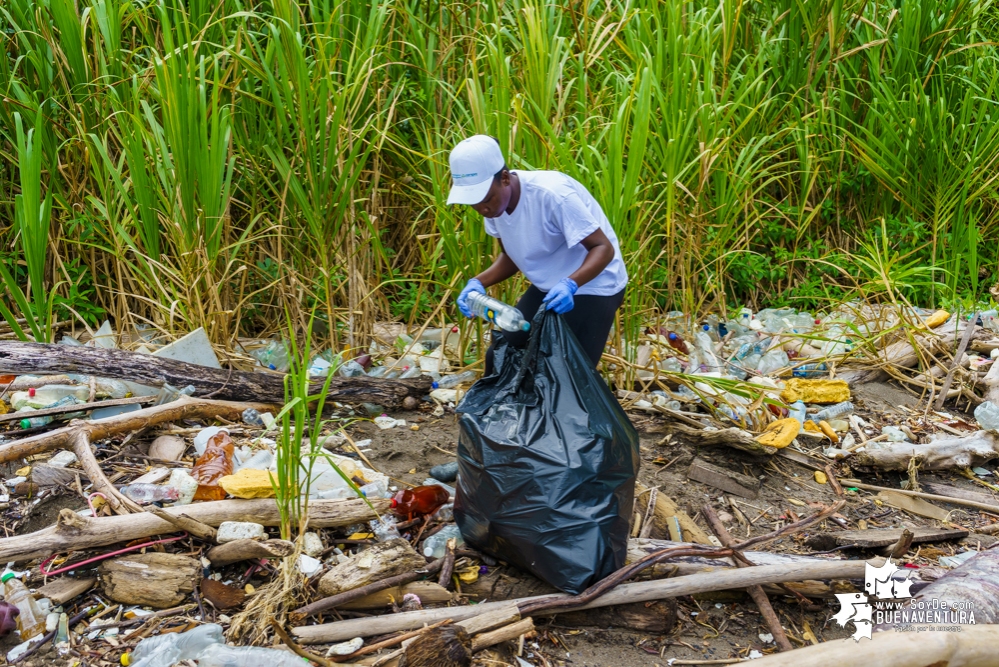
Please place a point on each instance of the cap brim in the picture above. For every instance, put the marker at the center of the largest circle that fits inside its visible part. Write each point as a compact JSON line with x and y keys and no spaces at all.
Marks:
{"x":469,"y":194}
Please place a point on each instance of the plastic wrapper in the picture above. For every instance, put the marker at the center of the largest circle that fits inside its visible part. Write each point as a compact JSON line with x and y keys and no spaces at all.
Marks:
{"x":547,"y":462}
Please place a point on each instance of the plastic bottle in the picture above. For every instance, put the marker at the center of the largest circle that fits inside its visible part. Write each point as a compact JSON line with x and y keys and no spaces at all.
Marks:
{"x":145,"y":494}
{"x":435,"y":545}
{"x":987,"y":415}
{"x":220,"y":655}
{"x":251,"y":417}
{"x":449,"y":381}
{"x":706,"y":352}
{"x":350,"y":369}
{"x":378,"y":371}
{"x":798,"y":411}
{"x":30,"y":619}
{"x":504,"y":316}
{"x":711,"y":328}
{"x":34,"y":422}
{"x":837,"y":411}
{"x":47,"y":396}
{"x":774,"y":360}
{"x":411,"y":372}
{"x":103,"y":387}
{"x":677,"y":343}
{"x":274,"y":356}
{"x":165,"y":650}
{"x":168,"y":393}
{"x":419,"y":501}
{"x":810,"y":371}
{"x":385,"y":529}
{"x":214,"y":464}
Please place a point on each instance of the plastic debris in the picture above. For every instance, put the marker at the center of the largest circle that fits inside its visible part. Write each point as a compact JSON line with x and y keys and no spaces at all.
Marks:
{"x":780,"y":433}
{"x":230,"y":531}
{"x":815,"y":391}
{"x":346,"y":648}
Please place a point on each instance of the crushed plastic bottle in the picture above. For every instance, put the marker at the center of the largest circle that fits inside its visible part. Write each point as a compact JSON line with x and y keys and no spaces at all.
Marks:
{"x":48,"y":396}
{"x":30,"y":619}
{"x":436,"y":545}
{"x":987,"y":415}
{"x":449,"y":381}
{"x":894,"y":434}
{"x":274,"y":356}
{"x":837,"y":411}
{"x":351,"y":369}
{"x":221,"y":655}
{"x":211,"y":466}
{"x":204,"y":435}
{"x":169,"y":393}
{"x":144,"y":494}
{"x":166,"y":650}
{"x":385,"y":529}
{"x":773,"y":361}
{"x":419,"y":501}
{"x":492,"y":310}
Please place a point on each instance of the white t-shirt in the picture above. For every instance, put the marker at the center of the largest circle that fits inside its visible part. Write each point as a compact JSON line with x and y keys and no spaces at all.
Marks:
{"x":542,"y":236}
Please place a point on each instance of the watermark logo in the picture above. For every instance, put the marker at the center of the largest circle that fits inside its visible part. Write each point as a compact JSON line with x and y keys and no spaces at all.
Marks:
{"x":881,"y":605}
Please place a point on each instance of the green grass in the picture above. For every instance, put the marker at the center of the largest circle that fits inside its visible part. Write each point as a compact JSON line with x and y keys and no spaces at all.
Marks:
{"x":222,"y":164}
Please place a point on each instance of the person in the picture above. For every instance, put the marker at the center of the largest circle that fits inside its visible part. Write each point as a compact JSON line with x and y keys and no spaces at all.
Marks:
{"x":551,"y":229}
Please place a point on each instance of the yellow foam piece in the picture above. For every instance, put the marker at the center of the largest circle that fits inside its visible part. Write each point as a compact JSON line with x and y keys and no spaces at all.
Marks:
{"x":820,"y":477}
{"x":815,"y":391}
{"x":780,"y":434}
{"x":248,"y":484}
{"x":936,"y":319}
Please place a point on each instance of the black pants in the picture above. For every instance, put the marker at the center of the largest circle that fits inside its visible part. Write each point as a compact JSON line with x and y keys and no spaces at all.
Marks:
{"x":590,"y":319}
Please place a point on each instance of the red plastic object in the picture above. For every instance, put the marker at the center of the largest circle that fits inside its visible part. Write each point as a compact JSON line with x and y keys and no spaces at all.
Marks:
{"x":31,"y":392}
{"x":211,"y":466}
{"x":8,"y":614}
{"x":677,"y":343}
{"x":419,"y":501}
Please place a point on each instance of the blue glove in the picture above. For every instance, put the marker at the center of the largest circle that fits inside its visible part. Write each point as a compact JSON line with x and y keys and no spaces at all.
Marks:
{"x":473,"y":286}
{"x":559,"y":298}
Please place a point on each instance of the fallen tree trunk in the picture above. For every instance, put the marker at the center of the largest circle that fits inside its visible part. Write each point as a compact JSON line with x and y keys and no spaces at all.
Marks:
{"x":21,"y":358}
{"x":74,"y":532}
{"x":974,"y":646}
{"x":941,"y":453}
{"x":972,"y":587}
{"x":623,"y":594}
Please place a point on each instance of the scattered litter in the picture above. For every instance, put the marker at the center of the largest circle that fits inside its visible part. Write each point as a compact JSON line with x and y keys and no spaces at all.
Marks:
{"x":346,"y":648}
{"x":957,"y":560}
{"x":230,"y":531}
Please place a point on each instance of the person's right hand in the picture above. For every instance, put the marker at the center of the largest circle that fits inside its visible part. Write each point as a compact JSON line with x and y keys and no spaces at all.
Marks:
{"x":473,"y":286}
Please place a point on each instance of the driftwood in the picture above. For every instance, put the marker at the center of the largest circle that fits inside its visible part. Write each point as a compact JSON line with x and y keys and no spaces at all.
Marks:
{"x":624,"y":594}
{"x":733,"y":437}
{"x":64,"y":589}
{"x":941,"y":453}
{"x":240,"y":550}
{"x":974,"y":587}
{"x":974,"y":646}
{"x":152,"y":579}
{"x":904,"y":354}
{"x":427,"y":591}
{"x":657,"y":617}
{"x":882,"y":537}
{"x":988,"y":507}
{"x":74,"y":532}
{"x":666,"y":509}
{"x":233,"y":385}
{"x":184,"y":522}
{"x":346,"y":597}
{"x":508,"y":632}
{"x":377,"y":562}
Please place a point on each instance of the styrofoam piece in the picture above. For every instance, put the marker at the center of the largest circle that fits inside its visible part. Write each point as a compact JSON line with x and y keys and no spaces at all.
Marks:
{"x":194,"y":348}
{"x":312,"y":545}
{"x":230,"y":531}
{"x":62,"y":459}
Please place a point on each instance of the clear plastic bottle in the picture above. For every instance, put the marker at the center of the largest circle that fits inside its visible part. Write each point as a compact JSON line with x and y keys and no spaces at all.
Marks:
{"x":798,"y":411}
{"x":168,"y":393}
{"x":837,"y":411}
{"x":385,"y":529}
{"x":449,"y":381}
{"x":378,"y":371}
{"x":810,"y":371}
{"x":773,"y":361}
{"x":274,"y":356}
{"x":706,"y":352}
{"x":987,"y":415}
{"x":411,"y":372}
{"x":220,"y":655}
{"x":48,"y":396}
{"x":351,"y":369}
{"x":166,"y":650}
{"x":435,"y":545}
{"x":30,"y":619}
{"x":504,"y":316}
{"x":144,"y":494}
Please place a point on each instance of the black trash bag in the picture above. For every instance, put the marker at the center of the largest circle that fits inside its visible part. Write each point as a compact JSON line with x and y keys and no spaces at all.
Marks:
{"x":547,"y":462}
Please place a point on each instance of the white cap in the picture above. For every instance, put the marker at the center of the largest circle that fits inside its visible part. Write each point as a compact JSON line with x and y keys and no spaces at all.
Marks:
{"x":474,"y":162}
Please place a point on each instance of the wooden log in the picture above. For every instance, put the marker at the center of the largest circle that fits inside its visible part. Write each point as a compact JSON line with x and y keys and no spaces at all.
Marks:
{"x":656,"y":617}
{"x":624,"y":594}
{"x":427,"y":591}
{"x":881,"y":537}
{"x":154,"y":579}
{"x":724,"y":479}
{"x":233,"y":385}
{"x":498,"y":617}
{"x":377,"y":562}
{"x":506,"y":633}
{"x":941,"y":453}
{"x":98,"y":429}
{"x":64,"y":589}
{"x":240,"y":550}
{"x":952,"y":492}
{"x":184,"y":522}
{"x":974,"y":586}
{"x":74,"y":532}
{"x":987,"y":507}
{"x":974,"y":646}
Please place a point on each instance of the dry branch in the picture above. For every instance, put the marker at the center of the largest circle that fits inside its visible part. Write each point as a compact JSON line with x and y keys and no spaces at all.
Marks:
{"x":941,"y":453}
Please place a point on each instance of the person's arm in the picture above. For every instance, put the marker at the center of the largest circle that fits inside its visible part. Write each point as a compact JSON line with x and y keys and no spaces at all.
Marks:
{"x":503,"y":268}
{"x":600,"y":254}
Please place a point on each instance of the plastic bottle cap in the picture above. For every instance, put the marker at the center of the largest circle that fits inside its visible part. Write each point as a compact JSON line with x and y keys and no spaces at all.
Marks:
{"x":25,"y":423}
{"x":6,"y":576}
{"x":526,"y":326}
{"x":707,"y":327}
{"x":434,"y":385}
{"x":394,"y":503}
{"x":31,"y":392}
{"x":671,"y":336}
{"x":454,"y":329}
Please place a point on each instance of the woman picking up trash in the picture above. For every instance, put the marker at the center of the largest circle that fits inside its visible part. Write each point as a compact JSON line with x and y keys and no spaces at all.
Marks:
{"x":552,"y":230}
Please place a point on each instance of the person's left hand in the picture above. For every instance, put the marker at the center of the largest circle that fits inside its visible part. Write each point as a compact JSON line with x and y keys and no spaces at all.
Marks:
{"x":559,"y":298}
